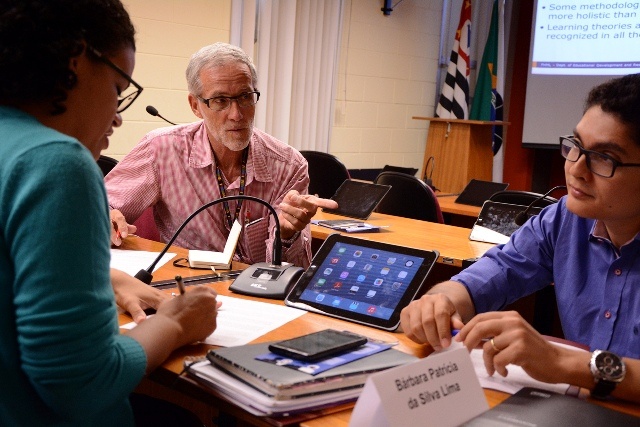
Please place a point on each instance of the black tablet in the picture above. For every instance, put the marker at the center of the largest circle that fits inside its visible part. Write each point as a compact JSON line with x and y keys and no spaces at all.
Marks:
{"x":362,"y":281}
{"x":476,"y":192}
{"x":357,"y":199}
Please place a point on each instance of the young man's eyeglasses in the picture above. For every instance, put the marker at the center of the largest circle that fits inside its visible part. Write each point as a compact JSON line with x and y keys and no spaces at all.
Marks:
{"x":244,"y":100}
{"x":598,"y":163}
{"x":126,"y":98}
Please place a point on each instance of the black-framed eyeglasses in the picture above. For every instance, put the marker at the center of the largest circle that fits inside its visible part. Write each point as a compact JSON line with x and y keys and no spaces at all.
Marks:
{"x":598,"y":163}
{"x":220,"y":103}
{"x":126,"y":98}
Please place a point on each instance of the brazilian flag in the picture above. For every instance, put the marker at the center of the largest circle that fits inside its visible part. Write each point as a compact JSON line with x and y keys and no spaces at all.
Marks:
{"x":487,"y":102}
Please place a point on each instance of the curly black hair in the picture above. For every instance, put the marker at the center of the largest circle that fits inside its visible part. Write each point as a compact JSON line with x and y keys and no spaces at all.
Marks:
{"x":39,"y":37}
{"x":621,"y":98}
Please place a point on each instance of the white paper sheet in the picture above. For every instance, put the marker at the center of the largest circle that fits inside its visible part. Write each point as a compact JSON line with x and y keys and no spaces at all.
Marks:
{"x":133,"y":261}
{"x":484,"y":234}
{"x":260,"y":404}
{"x":516,"y":379}
{"x":241,"y":321}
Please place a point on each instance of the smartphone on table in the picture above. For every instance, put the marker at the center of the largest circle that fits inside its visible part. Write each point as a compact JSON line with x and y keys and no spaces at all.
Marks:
{"x":318,"y":345}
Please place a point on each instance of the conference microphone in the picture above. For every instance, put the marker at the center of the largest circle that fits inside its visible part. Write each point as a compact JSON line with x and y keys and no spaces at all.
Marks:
{"x":521,"y":218}
{"x":154,"y":112}
{"x":263,"y":279}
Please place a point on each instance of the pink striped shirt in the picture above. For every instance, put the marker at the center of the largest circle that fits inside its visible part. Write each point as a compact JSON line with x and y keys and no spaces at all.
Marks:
{"x":173,"y":170}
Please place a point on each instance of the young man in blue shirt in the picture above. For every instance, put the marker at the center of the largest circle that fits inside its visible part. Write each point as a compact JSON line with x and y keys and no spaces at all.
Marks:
{"x":587,"y":244}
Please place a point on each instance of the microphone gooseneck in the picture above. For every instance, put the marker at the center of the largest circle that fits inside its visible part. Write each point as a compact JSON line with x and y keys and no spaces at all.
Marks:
{"x":145,"y":275}
{"x":154,"y":112}
{"x":521,"y":218}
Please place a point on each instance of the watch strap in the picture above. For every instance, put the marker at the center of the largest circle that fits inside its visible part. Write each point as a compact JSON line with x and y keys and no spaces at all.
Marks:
{"x":603,"y":389}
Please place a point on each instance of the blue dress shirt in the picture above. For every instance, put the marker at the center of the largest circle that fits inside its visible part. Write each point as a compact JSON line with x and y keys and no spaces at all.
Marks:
{"x":597,"y":287}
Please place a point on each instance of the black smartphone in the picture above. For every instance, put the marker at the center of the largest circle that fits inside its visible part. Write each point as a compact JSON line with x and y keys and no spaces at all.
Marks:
{"x":318,"y":345}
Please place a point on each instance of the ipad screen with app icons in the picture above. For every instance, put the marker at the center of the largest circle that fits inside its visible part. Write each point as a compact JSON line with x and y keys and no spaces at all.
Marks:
{"x":362,"y":281}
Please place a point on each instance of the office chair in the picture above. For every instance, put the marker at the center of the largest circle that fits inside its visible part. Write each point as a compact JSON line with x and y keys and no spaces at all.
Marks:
{"x":524,"y":198}
{"x":147,"y":226}
{"x":145,"y":223}
{"x":408,"y":197}
{"x":326,"y":173}
{"x":408,"y":171}
{"x":106,"y":163}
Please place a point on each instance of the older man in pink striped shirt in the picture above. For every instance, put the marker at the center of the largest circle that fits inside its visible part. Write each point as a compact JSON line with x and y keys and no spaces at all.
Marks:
{"x":178,"y":169}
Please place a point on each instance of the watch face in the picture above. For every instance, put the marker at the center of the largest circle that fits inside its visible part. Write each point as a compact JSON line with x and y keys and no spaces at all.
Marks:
{"x":610,"y":366}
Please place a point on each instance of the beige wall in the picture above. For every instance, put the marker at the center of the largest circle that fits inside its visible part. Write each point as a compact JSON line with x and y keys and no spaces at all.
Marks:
{"x":387,"y":74}
{"x":168,"y":33}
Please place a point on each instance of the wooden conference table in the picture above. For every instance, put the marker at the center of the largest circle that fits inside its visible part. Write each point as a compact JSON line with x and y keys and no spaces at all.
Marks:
{"x":457,"y":214}
{"x":451,"y":242}
{"x":185,"y":389}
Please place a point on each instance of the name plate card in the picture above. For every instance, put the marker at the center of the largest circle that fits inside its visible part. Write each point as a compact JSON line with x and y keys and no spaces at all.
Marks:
{"x":441,"y":390}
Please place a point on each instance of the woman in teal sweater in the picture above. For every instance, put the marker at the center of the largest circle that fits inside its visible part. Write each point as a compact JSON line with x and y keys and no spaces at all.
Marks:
{"x":65,"y":69}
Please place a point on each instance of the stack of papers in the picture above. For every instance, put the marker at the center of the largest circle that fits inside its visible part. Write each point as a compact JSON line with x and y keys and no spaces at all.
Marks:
{"x":256,"y":403}
{"x":267,"y":389}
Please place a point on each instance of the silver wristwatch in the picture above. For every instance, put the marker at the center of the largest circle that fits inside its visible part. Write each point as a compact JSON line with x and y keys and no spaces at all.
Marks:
{"x":608,"y":370}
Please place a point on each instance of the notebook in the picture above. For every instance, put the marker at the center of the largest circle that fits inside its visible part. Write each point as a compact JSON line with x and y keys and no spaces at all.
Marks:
{"x":477,"y":192}
{"x":221,"y":260}
{"x":541,"y":408}
{"x":362,"y":281}
{"x":357,"y":199}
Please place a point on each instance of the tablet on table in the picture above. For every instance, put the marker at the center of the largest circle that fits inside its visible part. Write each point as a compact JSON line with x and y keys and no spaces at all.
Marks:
{"x":362,"y":281}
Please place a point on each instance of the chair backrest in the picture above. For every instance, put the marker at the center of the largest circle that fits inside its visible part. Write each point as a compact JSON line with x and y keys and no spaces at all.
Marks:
{"x":408,"y":171}
{"x":524,"y":198}
{"x":106,"y":163}
{"x":390,"y":168}
{"x":408,"y":197}
{"x":147,"y":226}
{"x":145,"y":223}
{"x":326,"y":173}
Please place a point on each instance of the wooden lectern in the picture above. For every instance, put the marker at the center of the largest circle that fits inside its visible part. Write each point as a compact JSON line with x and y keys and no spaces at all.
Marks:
{"x":461,"y":151}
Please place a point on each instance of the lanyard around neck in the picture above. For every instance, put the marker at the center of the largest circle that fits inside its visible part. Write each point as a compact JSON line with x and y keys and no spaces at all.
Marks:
{"x":223,"y":193}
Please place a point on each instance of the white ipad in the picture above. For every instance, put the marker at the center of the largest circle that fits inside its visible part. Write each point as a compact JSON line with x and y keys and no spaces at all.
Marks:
{"x":362,"y":281}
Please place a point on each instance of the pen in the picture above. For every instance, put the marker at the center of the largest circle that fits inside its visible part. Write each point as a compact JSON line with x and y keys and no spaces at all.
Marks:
{"x":180,"y":284}
{"x":115,"y":227}
{"x":455,"y":332}
{"x":255,"y":221}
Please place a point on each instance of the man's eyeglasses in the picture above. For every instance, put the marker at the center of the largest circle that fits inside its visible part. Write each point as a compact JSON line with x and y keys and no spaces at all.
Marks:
{"x":244,"y":100}
{"x":126,"y":98}
{"x":598,"y":163}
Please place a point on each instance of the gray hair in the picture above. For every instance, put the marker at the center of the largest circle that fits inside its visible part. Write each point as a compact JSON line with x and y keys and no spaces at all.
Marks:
{"x":212,"y":56}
